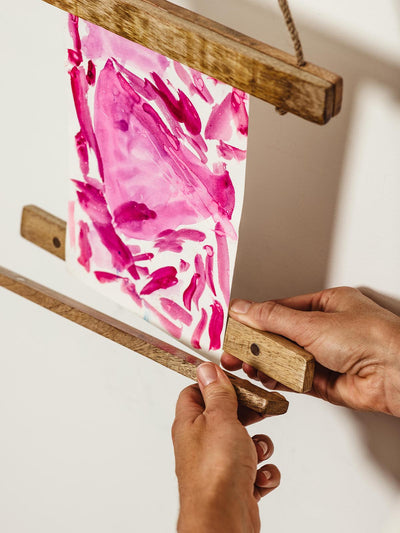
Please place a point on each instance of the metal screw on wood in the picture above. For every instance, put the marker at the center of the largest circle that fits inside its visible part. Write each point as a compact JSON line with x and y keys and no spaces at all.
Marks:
{"x":255,"y":349}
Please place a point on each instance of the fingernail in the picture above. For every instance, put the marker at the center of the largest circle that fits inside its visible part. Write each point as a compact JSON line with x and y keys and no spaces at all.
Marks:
{"x":207,"y":374}
{"x":264,"y":447}
{"x":240,"y":306}
{"x":267,"y":475}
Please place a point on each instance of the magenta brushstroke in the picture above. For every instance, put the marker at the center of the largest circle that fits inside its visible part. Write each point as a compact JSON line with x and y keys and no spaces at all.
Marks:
{"x":84,"y":246}
{"x":183,"y":266}
{"x":73,"y":26}
{"x":216,"y":326}
{"x":189,"y":292}
{"x":143,"y":271}
{"x":71,"y":224}
{"x":135,"y":270}
{"x":169,"y":326}
{"x":83,"y":153}
{"x":129,"y":288}
{"x":209,"y":269}
{"x":93,"y":202}
{"x":199,"y":330}
{"x":131,"y":216}
{"x":91,"y":73}
{"x":119,"y":252}
{"x":201,"y":281}
{"x":232,"y":109}
{"x":172,"y":241}
{"x":142,"y":257}
{"x":106,"y":277}
{"x":230,"y":152}
{"x":79,"y":87}
{"x":176,"y":312}
{"x":200,"y":87}
{"x":240,"y":115}
{"x":163,"y":278}
{"x":223,"y":262}
{"x":75,"y":55}
{"x":182,"y":109}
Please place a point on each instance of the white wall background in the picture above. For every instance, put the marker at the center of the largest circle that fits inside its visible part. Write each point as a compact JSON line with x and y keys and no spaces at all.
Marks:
{"x":85,"y":424}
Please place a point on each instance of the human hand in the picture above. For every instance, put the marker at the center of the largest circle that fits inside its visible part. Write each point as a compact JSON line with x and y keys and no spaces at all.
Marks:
{"x":355,"y":342}
{"x":216,"y":460}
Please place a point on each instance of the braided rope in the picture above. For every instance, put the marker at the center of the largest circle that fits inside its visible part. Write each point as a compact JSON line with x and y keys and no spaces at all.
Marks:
{"x":291,"y":26}
{"x":283,"y":4}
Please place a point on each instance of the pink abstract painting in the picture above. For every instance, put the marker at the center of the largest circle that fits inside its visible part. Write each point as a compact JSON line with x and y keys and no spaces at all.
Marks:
{"x":158,"y":182}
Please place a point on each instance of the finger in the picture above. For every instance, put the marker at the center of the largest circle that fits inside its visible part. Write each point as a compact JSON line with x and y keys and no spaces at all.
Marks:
{"x":247,"y":416}
{"x":190,"y":404}
{"x":336,"y":388}
{"x":335,"y":299}
{"x":268,"y":382}
{"x":264,"y":447}
{"x":230,"y":362}
{"x":272,"y":384}
{"x":218,"y":393}
{"x":268,"y":478}
{"x":250,"y":371}
{"x":303,"y":302}
{"x":277,"y":318}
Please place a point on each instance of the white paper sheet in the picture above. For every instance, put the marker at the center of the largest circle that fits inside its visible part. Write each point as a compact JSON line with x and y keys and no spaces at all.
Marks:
{"x":158,"y":184}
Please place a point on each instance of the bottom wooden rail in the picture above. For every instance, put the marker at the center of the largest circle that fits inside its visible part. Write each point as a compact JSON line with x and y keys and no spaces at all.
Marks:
{"x":249,"y":395}
{"x":275,"y":356}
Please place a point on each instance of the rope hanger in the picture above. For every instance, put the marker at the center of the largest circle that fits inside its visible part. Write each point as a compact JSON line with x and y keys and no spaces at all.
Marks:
{"x":298,"y":48}
{"x":291,"y":26}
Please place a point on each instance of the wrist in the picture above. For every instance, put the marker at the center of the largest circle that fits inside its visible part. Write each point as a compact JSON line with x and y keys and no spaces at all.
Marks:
{"x":213,"y":512}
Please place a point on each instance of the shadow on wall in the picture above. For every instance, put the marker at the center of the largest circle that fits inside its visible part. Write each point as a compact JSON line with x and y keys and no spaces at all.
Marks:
{"x":294,"y":167}
{"x":381,"y":433}
{"x":381,"y":436}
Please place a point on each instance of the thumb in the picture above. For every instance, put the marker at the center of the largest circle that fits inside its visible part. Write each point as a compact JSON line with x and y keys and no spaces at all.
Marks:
{"x":218,"y":392}
{"x":276,"y":318}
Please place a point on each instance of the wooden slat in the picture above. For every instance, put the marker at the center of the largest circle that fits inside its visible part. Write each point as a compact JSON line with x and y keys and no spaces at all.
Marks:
{"x":257,"y":399}
{"x":310,"y":92}
{"x":33,"y":222}
{"x":276,"y":356}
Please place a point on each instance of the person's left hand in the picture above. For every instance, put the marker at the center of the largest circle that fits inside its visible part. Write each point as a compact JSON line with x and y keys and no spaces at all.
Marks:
{"x":216,"y":460}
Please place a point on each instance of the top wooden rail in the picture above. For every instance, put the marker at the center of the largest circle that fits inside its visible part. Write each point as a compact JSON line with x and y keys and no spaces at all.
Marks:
{"x":310,"y":92}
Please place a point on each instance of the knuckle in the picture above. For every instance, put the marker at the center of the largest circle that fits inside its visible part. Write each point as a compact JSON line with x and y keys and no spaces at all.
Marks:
{"x":308,"y":329}
{"x":344,"y":292}
{"x":178,"y":429}
{"x":174,"y":429}
{"x":348,"y":291}
{"x":219,"y":398}
{"x":336,"y":295}
{"x":265,"y":312}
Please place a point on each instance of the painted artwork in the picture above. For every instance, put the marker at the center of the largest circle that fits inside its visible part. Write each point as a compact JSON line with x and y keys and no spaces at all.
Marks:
{"x":158,"y":182}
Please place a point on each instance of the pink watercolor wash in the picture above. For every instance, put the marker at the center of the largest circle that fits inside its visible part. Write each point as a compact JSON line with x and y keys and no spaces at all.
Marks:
{"x":158,"y":183}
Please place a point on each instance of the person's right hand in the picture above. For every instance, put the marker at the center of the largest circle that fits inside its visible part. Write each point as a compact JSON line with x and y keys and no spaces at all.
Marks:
{"x":355,"y":342}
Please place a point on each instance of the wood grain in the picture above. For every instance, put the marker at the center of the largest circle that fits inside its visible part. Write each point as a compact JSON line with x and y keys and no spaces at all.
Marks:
{"x":44,"y":230}
{"x":257,"y":399}
{"x":310,"y":92}
{"x":277,"y":357}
